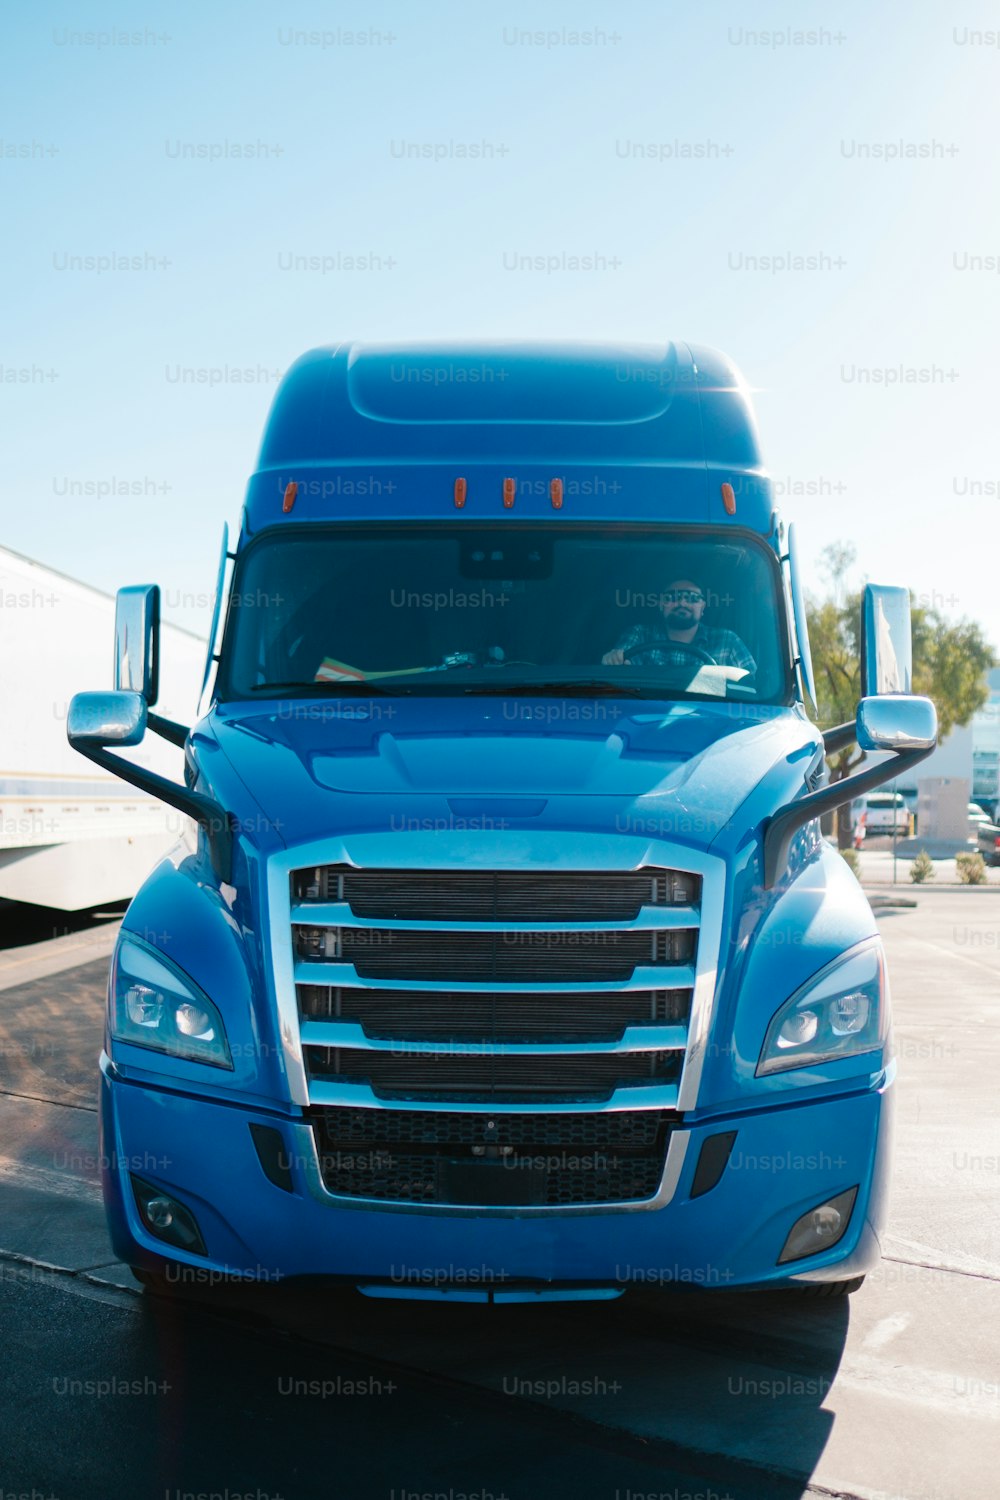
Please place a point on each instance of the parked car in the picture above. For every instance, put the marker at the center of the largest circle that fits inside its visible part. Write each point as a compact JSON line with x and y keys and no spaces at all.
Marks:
{"x":988,"y":840}
{"x":887,"y":812}
{"x":977,"y":818}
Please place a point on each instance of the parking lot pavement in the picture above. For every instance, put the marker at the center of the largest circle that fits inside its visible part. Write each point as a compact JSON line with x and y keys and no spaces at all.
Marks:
{"x":894,"y":1394}
{"x":103,"y":1397}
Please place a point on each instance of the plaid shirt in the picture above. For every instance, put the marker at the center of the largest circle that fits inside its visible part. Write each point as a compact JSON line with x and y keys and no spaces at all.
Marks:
{"x":723,"y":646}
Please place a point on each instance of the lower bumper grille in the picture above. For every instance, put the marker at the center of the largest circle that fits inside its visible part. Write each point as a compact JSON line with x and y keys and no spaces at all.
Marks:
{"x":497,"y":1076}
{"x":460,"y":1159}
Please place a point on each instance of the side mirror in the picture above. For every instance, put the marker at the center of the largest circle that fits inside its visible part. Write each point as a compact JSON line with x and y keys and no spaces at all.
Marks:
{"x":896,"y":721}
{"x":137,"y":641}
{"x":886,"y":645}
{"x":106,"y":719}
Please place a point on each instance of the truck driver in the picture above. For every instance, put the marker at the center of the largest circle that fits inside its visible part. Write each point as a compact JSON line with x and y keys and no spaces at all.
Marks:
{"x":681,"y":637}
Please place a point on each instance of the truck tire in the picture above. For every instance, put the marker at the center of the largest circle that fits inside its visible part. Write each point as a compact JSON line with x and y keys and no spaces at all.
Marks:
{"x":830,"y":1288}
{"x":154,"y":1283}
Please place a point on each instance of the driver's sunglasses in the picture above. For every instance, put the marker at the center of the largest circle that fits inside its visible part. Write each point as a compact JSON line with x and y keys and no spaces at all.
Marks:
{"x":684,"y":596}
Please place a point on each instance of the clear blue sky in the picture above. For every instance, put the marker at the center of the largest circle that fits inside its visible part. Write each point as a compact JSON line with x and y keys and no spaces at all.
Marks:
{"x":100,"y":158}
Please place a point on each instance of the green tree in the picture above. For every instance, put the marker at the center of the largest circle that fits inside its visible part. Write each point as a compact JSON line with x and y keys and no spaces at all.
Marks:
{"x":950,"y":660}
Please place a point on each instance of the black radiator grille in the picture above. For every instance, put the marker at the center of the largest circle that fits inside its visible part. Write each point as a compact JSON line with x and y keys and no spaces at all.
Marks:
{"x":508,"y":1159}
{"x":497,"y":895}
{"x":496,"y":1076}
{"x":540,"y":956}
{"x":484,"y":1015}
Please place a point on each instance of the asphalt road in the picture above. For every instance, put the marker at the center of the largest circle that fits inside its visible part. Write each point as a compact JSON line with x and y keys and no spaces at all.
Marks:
{"x":892,"y":1396}
{"x":106,"y":1396}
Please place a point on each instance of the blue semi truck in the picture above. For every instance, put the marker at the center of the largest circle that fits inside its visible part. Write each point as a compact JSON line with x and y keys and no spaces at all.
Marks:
{"x":505,"y":958}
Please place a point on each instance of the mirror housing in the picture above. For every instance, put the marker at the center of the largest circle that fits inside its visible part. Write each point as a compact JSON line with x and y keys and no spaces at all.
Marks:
{"x":137,"y":641}
{"x":886,"y":642}
{"x":117,"y":718}
{"x":896,"y":721}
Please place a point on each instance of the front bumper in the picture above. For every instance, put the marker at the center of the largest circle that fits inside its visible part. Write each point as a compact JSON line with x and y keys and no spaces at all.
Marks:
{"x":784,"y":1161}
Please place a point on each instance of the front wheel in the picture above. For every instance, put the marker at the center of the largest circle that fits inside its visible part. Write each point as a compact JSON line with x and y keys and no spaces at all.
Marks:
{"x":829,"y":1288}
{"x":160,"y":1283}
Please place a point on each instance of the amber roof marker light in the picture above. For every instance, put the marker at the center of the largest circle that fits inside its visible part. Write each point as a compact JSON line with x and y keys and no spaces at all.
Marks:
{"x":509,"y":486}
{"x":729,"y":499}
{"x":461,"y":490}
{"x":556,"y":493}
{"x":291,"y":490}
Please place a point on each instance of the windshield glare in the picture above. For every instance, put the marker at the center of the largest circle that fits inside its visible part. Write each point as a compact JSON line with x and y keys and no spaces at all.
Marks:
{"x":656,"y":613}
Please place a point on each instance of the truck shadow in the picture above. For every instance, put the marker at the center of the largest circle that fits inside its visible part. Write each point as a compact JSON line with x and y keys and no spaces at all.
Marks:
{"x":735,"y":1387}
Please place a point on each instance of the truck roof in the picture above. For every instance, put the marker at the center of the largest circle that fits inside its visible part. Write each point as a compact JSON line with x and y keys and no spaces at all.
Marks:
{"x":633,"y":432}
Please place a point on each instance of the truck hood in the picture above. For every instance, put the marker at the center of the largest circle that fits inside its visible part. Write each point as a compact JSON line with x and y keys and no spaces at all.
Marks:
{"x":321,"y":766}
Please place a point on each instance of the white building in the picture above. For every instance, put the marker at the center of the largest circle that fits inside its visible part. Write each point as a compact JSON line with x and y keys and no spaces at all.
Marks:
{"x":972,"y":752}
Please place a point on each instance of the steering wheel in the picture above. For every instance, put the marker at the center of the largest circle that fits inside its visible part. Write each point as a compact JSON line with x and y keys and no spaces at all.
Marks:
{"x":698,"y":652}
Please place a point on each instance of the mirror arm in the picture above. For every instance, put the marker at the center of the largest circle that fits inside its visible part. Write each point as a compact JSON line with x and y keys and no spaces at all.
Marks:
{"x":782,"y":828}
{"x":168,"y":729}
{"x":837,"y":738}
{"x":206,"y":812}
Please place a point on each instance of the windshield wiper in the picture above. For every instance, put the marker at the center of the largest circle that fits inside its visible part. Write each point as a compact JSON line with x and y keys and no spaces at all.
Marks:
{"x":375,"y":684}
{"x":345,"y":686}
{"x":597,"y":686}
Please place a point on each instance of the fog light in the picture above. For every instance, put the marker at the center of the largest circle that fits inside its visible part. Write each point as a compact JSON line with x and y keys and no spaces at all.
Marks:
{"x":820,"y":1228}
{"x":160,"y":1213}
{"x":825,"y":1222}
{"x":167,"y":1219}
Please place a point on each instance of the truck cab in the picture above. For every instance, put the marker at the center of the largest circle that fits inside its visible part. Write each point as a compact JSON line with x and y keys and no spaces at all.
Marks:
{"x":504,"y":958}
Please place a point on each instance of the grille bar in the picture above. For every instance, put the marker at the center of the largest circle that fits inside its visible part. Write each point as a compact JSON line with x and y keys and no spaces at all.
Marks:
{"x":533,"y":1016}
{"x":325,"y":972}
{"x":340,"y":914}
{"x":348,"y":1036}
{"x":539,"y":954}
{"x":484,"y":1077}
{"x":337,"y":1092}
{"x":497,"y":895}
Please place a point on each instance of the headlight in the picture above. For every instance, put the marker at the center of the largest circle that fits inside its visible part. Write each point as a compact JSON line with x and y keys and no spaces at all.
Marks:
{"x":153,"y":1004}
{"x":840,"y":1012}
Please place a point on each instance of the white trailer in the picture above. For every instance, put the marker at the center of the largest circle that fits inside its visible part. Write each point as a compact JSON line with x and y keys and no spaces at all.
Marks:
{"x":70,"y":837}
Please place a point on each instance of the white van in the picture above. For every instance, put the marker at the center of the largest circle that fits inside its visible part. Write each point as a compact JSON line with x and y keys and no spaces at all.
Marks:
{"x":887,"y":812}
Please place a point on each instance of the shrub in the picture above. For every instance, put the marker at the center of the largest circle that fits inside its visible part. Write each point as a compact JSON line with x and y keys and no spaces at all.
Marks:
{"x":852,"y":859}
{"x":971,"y":868}
{"x":922,"y":868}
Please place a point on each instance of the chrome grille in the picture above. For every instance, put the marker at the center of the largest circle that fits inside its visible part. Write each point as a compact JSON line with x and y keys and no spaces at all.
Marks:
{"x":542,"y":954}
{"x":440,"y":995}
{"x":478,"y":1016}
{"x":497,"y":895}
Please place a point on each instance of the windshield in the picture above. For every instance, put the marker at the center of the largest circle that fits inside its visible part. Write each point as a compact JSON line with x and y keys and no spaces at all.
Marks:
{"x":657,"y":613}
